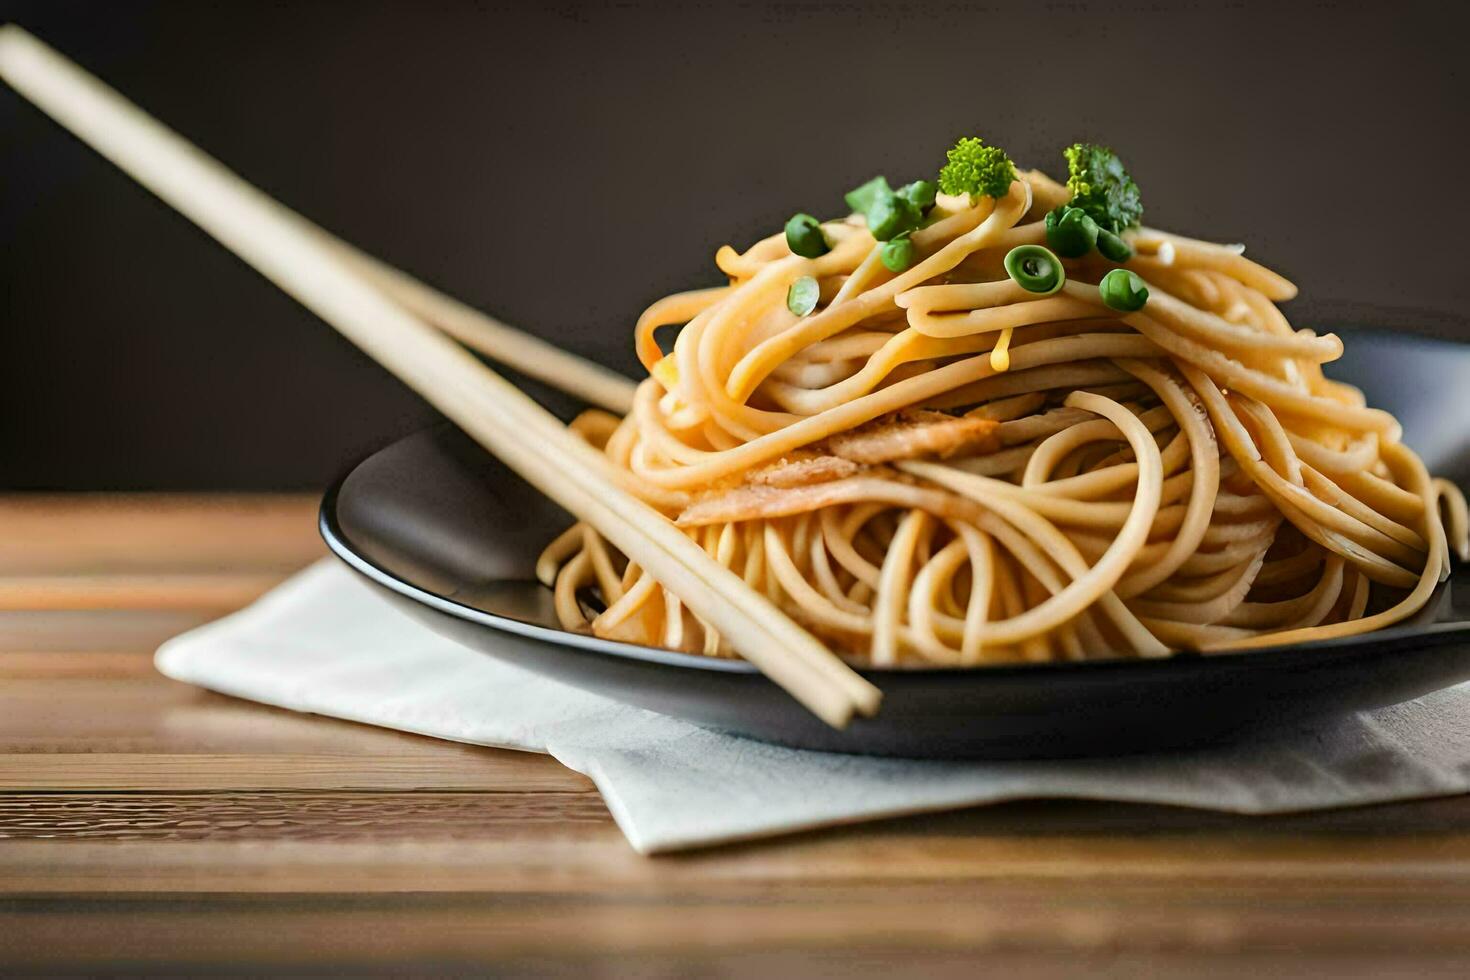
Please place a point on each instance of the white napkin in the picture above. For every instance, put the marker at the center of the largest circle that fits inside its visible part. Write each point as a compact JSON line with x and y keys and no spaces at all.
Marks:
{"x":323,"y":642}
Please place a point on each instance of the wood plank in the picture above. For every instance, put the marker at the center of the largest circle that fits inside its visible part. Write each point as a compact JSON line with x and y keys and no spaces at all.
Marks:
{"x":66,"y":728}
{"x":325,"y":817}
{"x":145,"y":712}
{"x":459,"y":943}
{"x":33,"y":665}
{"x":207,"y":591}
{"x":103,"y":630}
{"x":595,"y":861}
{"x":350,"y":928}
{"x":360,"y":816}
{"x":141,"y":772}
{"x":71,"y":533}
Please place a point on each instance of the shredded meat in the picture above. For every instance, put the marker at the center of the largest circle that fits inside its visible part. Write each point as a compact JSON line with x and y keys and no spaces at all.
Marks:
{"x":749,"y":503}
{"x":914,"y":433}
{"x":753,"y":502}
{"x":802,"y":471}
{"x":835,"y":471}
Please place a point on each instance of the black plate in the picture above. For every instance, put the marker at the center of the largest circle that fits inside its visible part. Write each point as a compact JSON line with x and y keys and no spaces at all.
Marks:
{"x":452,"y":536}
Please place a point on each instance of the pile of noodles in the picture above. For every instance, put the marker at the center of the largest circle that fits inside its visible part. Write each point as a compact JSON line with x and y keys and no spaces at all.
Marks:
{"x":937,"y":467}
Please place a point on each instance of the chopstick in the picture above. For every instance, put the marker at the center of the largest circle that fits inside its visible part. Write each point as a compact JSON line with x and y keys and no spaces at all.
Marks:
{"x":497,"y":414}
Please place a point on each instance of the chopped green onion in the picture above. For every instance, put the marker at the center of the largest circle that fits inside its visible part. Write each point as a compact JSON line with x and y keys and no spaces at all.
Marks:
{"x":1123,"y":291}
{"x":861,"y":198}
{"x":1035,"y":269}
{"x":891,"y":216}
{"x":804,"y":237}
{"x":802,"y":297}
{"x":1070,"y":231}
{"x":1112,"y":247}
{"x":897,"y":254}
{"x":920,"y":194}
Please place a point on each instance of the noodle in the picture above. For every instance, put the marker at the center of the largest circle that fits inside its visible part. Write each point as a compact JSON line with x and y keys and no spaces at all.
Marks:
{"x":938,"y":467}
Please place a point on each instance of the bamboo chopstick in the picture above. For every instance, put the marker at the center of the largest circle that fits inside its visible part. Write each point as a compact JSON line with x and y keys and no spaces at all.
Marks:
{"x":498,"y":415}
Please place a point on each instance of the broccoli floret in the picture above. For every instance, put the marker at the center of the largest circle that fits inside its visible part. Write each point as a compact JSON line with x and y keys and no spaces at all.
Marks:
{"x":1102,"y":188}
{"x":977,"y":169}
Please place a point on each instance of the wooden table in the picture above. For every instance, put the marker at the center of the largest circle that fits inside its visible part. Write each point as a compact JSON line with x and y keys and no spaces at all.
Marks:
{"x":150,"y":826}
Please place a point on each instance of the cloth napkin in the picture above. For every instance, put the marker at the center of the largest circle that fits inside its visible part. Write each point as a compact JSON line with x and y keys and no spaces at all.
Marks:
{"x":324,"y":642}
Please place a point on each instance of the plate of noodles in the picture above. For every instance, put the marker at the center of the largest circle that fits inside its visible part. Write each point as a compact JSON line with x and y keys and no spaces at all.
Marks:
{"x":981,"y":465}
{"x":1056,"y":481}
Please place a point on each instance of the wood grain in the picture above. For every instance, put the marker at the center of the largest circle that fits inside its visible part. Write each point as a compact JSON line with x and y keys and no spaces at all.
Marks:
{"x":818,"y":921}
{"x":97,"y":630}
{"x":147,"y":826}
{"x":91,"y":533}
{"x":207,"y":772}
{"x":322,"y":817}
{"x":120,"y":590}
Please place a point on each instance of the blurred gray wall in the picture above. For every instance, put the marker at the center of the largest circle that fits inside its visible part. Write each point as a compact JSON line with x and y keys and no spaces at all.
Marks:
{"x":563,"y":165}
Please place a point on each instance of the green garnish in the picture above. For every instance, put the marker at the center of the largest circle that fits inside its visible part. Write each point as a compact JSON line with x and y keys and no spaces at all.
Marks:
{"x":897,"y":254}
{"x":890,"y":216}
{"x":804,"y":237}
{"x":920,"y":194}
{"x":1101,"y":187}
{"x":977,"y":169}
{"x":861,"y":198}
{"x":1035,"y":269}
{"x":1070,"y":231}
{"x":802,"y":297}
{"x":1112,"y":247}
{"x":891,"y":213}
{"x":1123,"y":291}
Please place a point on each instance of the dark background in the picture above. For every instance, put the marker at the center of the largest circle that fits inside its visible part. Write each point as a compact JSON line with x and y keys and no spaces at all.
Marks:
{"x":563,"y":166}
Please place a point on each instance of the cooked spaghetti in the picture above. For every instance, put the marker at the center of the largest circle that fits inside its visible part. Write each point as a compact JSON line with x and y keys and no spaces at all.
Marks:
{"x":1006,"y":422}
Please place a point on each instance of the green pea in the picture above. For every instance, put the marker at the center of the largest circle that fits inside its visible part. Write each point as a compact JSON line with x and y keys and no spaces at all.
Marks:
{"x":861,"y":198}
{"x":1123,"y":291}
{"x":804,"y":237}
{"x":920,"y":194}
{"x":891,"y":216}
{"x":897,"y":254}
{"x":1071,"y":232}
{"x":1112,"y":247}
{"x":1035,"y":269}
{"x":802,"y":297}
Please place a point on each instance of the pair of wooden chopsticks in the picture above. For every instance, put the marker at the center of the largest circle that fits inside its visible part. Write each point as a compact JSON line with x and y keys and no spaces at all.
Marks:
{"x":388,"y":314}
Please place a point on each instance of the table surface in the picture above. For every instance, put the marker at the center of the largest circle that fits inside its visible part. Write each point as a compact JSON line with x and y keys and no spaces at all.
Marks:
{"x":152,"y":826}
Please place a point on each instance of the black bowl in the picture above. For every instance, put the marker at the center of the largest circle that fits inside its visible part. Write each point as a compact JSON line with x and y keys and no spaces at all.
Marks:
{"x":450,"y":535}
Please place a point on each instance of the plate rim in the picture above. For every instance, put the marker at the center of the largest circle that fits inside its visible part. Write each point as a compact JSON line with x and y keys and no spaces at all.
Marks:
{"x":1282,"y":655}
